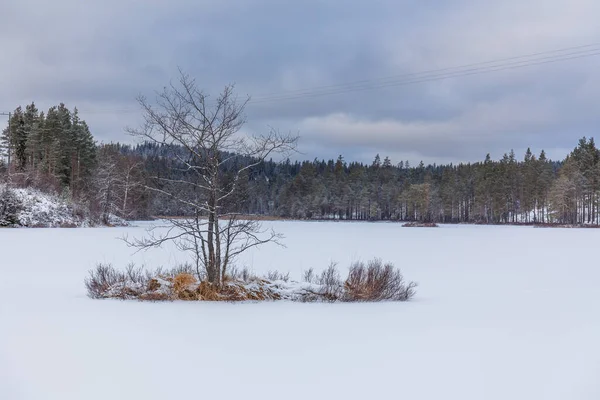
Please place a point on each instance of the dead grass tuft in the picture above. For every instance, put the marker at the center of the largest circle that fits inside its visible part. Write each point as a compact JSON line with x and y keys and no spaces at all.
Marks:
{"x":154,"y":296}
{"x":207,"y":292}
{"x":153,"y":285}
{"x":183,"y":281}
{"x":184,"y":286}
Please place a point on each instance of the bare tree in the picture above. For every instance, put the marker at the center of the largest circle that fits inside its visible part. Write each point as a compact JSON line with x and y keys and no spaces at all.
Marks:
{"x":131,"y":180}
{"x":209,"y":132}
{"x":106,"y":181}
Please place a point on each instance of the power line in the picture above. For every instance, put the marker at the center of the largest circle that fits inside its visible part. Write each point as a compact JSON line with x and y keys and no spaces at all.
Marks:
{"x":589,"y":47}
{"x":432,"y":76}
{"x":509,"y":63}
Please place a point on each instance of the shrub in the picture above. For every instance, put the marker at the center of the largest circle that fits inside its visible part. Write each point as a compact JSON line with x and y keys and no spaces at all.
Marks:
{"x":100,"y":280}
{"x":309,"y":275}
{"x":105,"y":281}
{"x":376,"y":282}
{"x":331,"y":284}
{"x":243,"y":275}
{"x":278,"y":276}
{"x":246,"y":275}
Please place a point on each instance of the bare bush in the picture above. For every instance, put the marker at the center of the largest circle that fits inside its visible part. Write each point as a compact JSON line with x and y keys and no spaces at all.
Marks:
{"x":376,"y":282}
{"x":246,"y":275}
{"x":100,"y":280}
{"x":309,"y":275}
{"x":105,"y":281}
{"x":278,"y":276}
{"x":331,"y":283}
{"x":137,"y":274}
{"x":243,"y":275}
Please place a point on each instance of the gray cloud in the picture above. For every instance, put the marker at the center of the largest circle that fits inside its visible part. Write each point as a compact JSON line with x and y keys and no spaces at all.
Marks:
{"x":98,"y":55}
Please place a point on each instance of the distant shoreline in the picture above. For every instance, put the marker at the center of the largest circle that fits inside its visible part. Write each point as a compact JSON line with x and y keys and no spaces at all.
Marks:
{"x":276,"y":218}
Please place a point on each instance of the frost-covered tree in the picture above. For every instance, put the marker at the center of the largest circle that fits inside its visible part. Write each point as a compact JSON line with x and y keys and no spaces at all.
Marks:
{"x":9,"y":207}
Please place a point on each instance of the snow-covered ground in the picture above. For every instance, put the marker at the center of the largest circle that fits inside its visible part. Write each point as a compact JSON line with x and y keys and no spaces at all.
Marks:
{"x":36,"y":209}
{"x":500,"y":313}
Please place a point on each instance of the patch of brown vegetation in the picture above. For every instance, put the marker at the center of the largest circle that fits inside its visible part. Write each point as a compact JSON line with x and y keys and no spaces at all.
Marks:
{"x":154,"y":296}
{"x":420,"y":225}
{"x":153,"y":285}
{"x":260,"y":290}
{"x":237,"y":292}
{"x":183,"y":281}
{"x":187,"y":294}
{"x":207,"y":292}
{"x":184,"y":286}
{"x":376,"y":281}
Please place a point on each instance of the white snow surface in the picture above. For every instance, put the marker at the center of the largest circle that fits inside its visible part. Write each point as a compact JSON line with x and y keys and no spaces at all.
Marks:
{"x":500,"y":313}
{"x":42,"y":209}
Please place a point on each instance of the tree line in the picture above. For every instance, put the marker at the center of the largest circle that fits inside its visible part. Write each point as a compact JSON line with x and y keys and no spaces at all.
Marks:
{"x":56,"y":151}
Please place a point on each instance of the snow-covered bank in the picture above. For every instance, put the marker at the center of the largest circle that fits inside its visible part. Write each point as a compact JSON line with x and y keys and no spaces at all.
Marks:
{"x":28,"y":207}
{"x":501,"y":313}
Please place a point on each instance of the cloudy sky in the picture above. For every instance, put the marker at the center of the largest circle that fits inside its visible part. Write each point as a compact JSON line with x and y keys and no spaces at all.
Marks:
{"x":99,"y":55}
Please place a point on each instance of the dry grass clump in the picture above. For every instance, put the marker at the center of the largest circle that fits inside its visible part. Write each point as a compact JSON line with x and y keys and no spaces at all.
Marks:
{"x":183,"y":281}
{"x":184,"y":286}
{"x":155,"y":296}
{"x":376,"y":281}
{"x":207,"y":292}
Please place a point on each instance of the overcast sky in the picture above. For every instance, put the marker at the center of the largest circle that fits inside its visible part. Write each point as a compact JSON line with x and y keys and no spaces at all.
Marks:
{"x":99,"y":55}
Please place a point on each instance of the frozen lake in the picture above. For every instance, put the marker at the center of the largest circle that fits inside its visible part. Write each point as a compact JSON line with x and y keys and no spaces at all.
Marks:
{"x":500,"y":313}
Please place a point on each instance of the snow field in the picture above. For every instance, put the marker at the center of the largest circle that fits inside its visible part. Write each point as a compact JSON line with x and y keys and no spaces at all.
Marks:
{"x":500,"y":313}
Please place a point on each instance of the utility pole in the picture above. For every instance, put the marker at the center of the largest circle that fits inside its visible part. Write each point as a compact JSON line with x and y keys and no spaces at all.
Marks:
{"x":9,"y":143}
